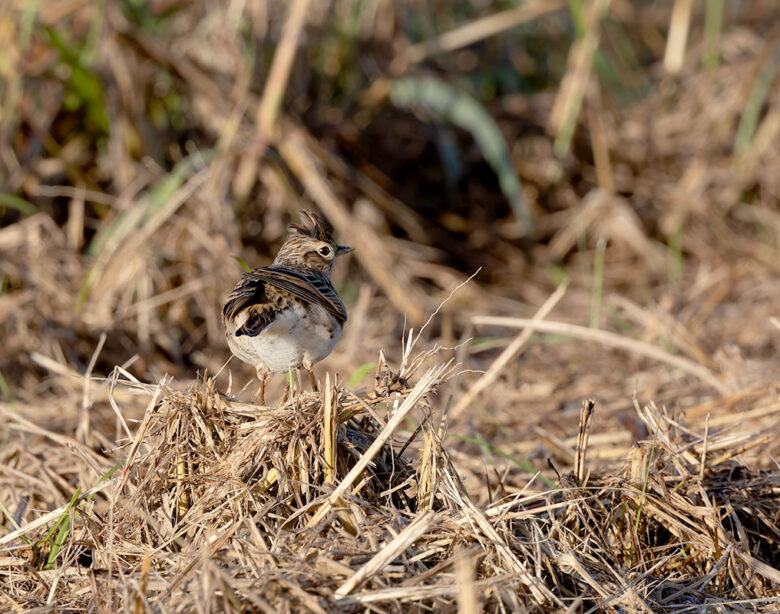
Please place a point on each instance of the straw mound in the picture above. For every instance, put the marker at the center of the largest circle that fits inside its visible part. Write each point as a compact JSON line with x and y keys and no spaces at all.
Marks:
{"x":210,"y":460}
{"x":682,"y":523}
{"x":235,"y":507}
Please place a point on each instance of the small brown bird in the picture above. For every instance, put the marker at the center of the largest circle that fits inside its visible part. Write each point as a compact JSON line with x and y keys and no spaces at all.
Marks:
{"x":288,"y":315}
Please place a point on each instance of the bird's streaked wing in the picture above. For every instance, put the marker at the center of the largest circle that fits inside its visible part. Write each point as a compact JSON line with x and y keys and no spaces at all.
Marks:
{"x":247,"y":292}
{"x":312,"y":287}
{"x":249,"y":296}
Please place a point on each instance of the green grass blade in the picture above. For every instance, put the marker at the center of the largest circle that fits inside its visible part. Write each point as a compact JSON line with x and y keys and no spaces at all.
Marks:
{"x":60,"y":520}
{"x":444,"y":102}
{"x":62,"y":535}
{"x":85,"y":85}
{"x":577,"y":12}
{"x":106,"y":476}
{"x":12,"y":201}
{"x":63,"y":525}
{"x":674,"y":256}
{"x":360,"y":373}
{"x":647,"y":477}
{"x":141,"y":213}
{"x":243,"y":264}
{"x":597,"y":291}
{"x":15,"y":526}
{"x":523,"y":463}
{"x":713,"y":26}
{"x":755,"y":101}
{"x":146,"y":206}
{"x":5,"y":389}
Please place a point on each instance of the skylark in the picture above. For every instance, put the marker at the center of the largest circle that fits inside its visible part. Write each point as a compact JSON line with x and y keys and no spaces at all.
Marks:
{"x":288,"y":315}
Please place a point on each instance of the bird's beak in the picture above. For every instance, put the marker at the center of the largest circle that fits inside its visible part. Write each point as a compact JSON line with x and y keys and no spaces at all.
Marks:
{"x":343,"y":249}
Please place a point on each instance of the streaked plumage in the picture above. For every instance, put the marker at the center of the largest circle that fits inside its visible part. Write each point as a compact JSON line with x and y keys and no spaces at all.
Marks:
{"x":288,"y":315}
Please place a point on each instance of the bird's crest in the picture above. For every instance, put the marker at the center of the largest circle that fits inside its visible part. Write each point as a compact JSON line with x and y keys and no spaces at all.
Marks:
{"x":314,"y":226}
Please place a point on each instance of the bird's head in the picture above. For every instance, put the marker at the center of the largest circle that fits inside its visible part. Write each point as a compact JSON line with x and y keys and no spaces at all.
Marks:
{"x":310,"y":245}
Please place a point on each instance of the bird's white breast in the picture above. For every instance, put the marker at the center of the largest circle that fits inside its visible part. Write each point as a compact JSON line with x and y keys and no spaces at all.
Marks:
{"x":283,"y":345}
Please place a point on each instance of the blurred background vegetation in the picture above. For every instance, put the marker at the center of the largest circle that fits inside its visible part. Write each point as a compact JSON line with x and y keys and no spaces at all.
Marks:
{"x":630,"y":147}
{"x":613,"y":165}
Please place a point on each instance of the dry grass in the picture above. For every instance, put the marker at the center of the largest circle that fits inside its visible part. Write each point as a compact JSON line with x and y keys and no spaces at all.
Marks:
{"x":143,"y":145}
{"x":221,"y":505}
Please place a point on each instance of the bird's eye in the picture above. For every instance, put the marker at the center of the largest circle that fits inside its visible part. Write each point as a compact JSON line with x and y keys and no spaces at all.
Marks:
{"x":325,"y":251}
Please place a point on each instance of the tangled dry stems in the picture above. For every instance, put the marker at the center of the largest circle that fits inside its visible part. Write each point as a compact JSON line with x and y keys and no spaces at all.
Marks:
{"x":215,"y":506}
{"x":231,"y":504}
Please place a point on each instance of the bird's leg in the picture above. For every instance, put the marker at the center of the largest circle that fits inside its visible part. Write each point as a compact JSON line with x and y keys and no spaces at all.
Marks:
{"x":314,"y":386}
{"x":262,"y":375}
{"x":310,"y":370}
{"x":286,"y":393}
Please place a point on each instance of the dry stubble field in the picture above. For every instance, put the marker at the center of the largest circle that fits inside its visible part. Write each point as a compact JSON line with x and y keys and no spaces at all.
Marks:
{"x":589,"y":423}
